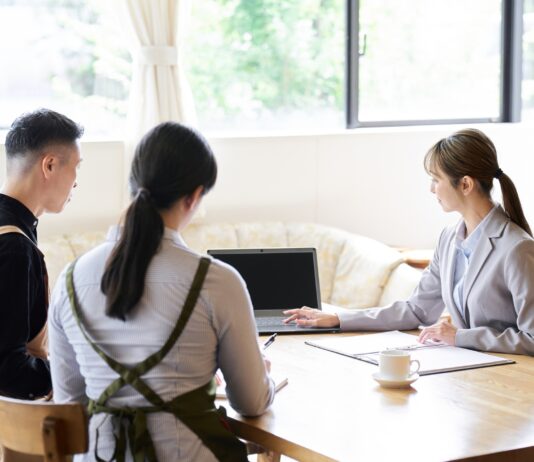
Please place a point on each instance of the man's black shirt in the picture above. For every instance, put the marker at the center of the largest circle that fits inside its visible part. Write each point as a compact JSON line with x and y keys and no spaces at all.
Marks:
{"x":23,"y":304}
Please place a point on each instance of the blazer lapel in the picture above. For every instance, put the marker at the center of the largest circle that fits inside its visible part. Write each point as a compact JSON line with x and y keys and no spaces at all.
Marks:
{"x":493,"y":230}
{"x":449,"y":273}
{"x":480,"y":256}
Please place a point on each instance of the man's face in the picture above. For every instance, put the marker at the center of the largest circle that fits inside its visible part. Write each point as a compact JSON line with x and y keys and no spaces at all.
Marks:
{"x":62,"y":178}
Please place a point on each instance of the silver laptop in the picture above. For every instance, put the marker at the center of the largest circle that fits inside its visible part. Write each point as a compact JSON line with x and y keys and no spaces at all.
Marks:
{"x":277,"y":280}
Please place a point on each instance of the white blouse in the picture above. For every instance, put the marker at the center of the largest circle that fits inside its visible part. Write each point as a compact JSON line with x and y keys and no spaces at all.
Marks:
{"x":220,"y":333}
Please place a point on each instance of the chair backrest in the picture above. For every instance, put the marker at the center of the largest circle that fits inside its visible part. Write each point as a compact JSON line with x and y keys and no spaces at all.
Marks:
{"x":43,"y":428}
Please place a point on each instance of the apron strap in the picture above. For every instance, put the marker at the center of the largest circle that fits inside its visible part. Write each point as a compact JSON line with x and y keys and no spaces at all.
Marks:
{"x":7,"y":229}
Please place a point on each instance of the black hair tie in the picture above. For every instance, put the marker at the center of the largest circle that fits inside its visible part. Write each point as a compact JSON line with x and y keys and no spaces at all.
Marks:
{"x":498,"y":173}
{"x":144,"y":193}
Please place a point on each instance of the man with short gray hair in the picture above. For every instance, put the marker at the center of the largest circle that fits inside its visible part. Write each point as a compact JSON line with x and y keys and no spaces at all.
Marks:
{"x":42,"y":158}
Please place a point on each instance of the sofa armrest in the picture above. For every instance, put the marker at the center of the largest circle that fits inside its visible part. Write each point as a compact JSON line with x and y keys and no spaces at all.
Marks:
{"x":400,"y":285}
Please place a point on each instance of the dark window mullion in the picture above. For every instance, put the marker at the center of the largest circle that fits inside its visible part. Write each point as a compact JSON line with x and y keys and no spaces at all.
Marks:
{"x":409,"y":122}
{"x":351,"y":63}
{"x":512,"y":59}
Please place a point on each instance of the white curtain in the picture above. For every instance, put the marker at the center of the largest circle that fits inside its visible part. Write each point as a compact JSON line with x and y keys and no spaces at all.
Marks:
{"x":159,"y":90}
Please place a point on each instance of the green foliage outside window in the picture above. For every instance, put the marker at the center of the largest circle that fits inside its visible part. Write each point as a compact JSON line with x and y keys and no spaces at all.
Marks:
{"x":248,"y":57}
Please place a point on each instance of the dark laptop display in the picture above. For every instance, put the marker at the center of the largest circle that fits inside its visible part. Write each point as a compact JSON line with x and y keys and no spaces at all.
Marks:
{"x":277,"y":280}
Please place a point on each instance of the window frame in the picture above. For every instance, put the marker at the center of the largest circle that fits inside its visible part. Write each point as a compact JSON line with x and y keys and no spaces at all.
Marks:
{"x":511,"y":71}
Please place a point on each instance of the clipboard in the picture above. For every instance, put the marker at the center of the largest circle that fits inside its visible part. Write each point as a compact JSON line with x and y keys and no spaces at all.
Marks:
{"x":434,"y":358}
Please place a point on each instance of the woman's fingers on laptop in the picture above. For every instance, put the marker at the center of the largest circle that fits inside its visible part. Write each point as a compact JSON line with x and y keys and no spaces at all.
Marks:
{"x":311,"y":317}
{"x":299,"y":314}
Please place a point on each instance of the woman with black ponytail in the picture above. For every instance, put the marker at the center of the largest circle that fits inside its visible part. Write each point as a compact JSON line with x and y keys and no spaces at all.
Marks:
{"x":483,"y":267}
{"x":140,"y":324}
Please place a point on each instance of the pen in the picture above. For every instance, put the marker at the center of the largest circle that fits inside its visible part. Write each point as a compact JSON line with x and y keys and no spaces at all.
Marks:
{"x":269,"y":341}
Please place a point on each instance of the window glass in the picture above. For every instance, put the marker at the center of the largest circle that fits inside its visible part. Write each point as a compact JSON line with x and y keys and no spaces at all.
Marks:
{"x":528,"y":61}
{"x":65,"y":55}
{"x":425,"y":59}
{"x":264,"y":65}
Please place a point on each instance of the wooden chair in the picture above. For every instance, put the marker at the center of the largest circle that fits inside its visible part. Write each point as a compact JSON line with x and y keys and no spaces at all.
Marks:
{"x":42,"y":428}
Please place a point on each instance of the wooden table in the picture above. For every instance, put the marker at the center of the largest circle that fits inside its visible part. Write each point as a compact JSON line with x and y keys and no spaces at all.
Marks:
{"x":332,"y":409}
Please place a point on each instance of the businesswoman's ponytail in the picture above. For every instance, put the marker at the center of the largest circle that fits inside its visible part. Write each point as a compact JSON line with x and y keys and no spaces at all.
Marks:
{"x":170,"y":163}
{"x":471,"y":153}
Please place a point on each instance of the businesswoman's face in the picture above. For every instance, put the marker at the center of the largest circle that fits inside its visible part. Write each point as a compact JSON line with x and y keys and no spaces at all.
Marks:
{"x":449,"y":197}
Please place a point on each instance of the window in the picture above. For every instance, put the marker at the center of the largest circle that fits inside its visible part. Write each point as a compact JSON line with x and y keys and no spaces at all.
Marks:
{"x":270,"y":64}
{"x":65,"y":55}
{"x":422,"y":60}
{"x":276,"y":64}
{"x":283,"y":64}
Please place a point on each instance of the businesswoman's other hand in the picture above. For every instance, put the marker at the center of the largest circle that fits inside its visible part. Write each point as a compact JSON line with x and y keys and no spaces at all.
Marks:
{"x":310,"y":317}
{"x":443,"y":331}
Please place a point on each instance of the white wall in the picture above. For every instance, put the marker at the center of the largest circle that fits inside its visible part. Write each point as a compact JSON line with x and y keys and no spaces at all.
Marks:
{"x":98,"y":199}
{"x":369,"y":181}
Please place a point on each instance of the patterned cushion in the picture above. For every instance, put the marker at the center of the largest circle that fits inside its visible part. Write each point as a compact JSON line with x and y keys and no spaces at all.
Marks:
{"x":363,"y":270}
{"x":81,"y":243}
{"x":353,"y":270}
{"x":58,"y":253}
{"x":329,"y":243}
{"x":204,"y":237}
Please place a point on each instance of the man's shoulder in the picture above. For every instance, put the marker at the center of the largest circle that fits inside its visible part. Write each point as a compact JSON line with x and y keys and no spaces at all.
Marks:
{"x":15,"y":244}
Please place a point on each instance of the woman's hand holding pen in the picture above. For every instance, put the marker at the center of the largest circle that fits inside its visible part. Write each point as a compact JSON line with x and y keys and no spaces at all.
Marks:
{"x":311,"y":317}
{"x":443,"y":331}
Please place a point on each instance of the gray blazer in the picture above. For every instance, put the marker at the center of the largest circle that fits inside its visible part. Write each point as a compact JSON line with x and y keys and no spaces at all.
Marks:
{"x":498,"y":292}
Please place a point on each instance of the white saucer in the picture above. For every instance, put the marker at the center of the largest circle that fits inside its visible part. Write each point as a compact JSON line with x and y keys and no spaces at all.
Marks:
{"x":393,"y":383}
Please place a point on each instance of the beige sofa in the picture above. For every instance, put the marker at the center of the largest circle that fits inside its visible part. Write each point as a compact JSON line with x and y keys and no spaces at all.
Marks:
{"x":354,"y":271}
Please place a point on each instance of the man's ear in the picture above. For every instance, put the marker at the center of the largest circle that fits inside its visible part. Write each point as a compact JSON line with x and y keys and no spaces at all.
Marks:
{"x":467,"y":185}
{"x":49,"y":163}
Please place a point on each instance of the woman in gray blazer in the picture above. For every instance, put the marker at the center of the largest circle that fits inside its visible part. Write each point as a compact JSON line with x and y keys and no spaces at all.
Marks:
{"x":483,"y":267}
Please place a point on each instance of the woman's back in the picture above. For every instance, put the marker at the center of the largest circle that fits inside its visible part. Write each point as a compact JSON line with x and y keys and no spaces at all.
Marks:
{"x":219,"y":333}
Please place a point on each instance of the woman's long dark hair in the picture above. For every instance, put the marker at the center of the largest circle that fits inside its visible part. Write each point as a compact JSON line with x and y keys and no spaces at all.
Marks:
{"x":471,"y":153}
{"x":170,"y":162}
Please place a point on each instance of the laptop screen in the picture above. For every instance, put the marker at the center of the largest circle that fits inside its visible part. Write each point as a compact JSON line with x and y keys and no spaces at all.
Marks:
{"x":276,"y":278}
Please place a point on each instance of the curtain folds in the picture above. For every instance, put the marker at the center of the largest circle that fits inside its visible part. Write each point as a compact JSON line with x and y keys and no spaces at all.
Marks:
{"x":159,"y":91}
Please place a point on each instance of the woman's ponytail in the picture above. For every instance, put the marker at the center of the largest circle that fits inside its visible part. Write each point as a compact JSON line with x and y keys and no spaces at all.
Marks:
{"x":123,"y":281}
{"x":511,"y":202}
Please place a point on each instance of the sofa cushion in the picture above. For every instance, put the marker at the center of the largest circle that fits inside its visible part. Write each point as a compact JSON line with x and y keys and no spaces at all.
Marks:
{"x":58,"y":253}
{"x":353,"y":270}
{"x":363,"y":270}
{"x":329,"y":243}
{"x":201,"y":238}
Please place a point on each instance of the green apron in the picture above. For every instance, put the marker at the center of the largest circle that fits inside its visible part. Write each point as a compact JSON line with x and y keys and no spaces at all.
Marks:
{"x":195,"y":409}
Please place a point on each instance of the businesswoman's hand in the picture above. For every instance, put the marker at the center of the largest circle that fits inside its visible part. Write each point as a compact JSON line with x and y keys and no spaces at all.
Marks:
{"x":443,"y":331}
{"x":310,"y":317}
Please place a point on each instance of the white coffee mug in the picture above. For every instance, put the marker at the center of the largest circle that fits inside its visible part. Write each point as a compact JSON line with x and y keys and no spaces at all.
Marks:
{"x":396,"y":364}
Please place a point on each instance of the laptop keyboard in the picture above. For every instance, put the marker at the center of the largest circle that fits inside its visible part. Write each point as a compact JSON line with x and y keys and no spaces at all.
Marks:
{"x":264,"y":321}
{"x":270,"y":324}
